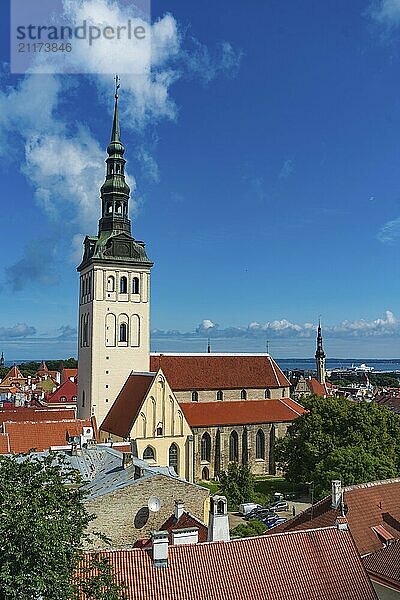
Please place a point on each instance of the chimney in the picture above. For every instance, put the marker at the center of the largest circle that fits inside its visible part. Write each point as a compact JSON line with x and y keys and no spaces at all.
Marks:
{"x":179,"y":509}
{"x":127,"y":459}
{"x":160,"y":548}
{"x":218,"y":524}
{"x":341,"y":524}
{"x":190,"y":535}
{"x":336,"y":493}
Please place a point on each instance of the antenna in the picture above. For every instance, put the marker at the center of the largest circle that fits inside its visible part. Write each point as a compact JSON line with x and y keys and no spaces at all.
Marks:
{"x":267,"y":346}
{"x":154,"y":504}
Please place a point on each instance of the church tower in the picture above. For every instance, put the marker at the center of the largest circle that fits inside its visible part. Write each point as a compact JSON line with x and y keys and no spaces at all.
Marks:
{"x":114,"y":299}
{"x":320,"y":357}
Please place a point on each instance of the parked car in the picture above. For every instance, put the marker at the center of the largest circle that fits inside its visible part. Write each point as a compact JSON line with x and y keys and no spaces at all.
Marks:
{"x":270,"y":520}
{"x":279,"y":506}
{"x":247,"y":507}
{"x":258,"y":513}
{"x":290,"y":496}
{"x":277,"y":522}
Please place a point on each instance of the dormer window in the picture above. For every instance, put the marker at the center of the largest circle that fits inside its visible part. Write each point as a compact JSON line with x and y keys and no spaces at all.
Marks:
{"x":195,"y":397}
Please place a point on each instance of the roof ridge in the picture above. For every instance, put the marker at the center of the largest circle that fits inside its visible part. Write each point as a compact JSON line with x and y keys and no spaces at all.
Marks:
{"x":369,"y":484}
{"x":274,"y":370}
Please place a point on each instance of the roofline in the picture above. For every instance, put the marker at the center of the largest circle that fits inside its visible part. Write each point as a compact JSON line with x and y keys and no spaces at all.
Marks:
{"x":210,"y":354}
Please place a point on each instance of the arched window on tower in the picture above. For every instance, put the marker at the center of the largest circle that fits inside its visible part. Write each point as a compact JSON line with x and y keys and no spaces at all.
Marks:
{"x":195,"y":397}
{"x":118,"y":208}
{"x":123,"y":332}
{"x":111,"y":284}
{"x":260,"y":444}
{"x":267,"y":394}
{"x":220,"y":395}
{"x":173,"y":457}
{"x":135,"y":285}
{"x":123,"y":285}
{"x":206,"y":447}
{"x":109,"y":208}
{"x":117,"y":168}
{"x":243,"y":395}
{"x":234,"y":447}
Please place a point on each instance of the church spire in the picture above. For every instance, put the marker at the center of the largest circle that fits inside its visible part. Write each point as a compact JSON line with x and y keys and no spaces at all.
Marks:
{"x":115,"y":191}
{"x":320,"y":356}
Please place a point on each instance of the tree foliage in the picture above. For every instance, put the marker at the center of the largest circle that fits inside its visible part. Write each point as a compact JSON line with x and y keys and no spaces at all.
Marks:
{"x":249,"y":529}
{"x":340,"y":439}
{"x":42,"y":524}
{"x":237,"y":484}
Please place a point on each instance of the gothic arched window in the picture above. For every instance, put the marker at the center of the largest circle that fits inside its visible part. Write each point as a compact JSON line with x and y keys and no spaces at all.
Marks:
{"x":206,"y":447}
{"x":234,"y":447}
{"x":220,"y":395}
{"x":123,"y":332}
{"x":195,"y":397}
{"x":149,"y":454}
{"x":267,"y":393}
{"x":110,"y":284}
{"x":173,"y":456}
{"x":135,"y":285}
{"x":123,"y":285}
{"x":205,"y":474}
{"x":243,"y":395}
{"x":260,"y":444}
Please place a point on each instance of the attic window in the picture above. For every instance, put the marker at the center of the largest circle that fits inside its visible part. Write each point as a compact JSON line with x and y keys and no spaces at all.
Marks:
{"x":63,"y":399}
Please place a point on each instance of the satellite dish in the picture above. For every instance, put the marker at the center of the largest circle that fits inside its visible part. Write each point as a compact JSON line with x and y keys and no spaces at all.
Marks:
{"x":154,"y":504}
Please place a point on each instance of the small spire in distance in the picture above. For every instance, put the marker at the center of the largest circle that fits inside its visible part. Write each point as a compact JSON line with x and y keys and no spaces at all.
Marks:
{"x":209,"y":346}
{"x":116,"y":133}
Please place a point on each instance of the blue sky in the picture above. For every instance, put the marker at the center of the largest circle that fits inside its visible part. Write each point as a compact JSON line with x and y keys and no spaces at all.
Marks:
{"x":264,"y":147}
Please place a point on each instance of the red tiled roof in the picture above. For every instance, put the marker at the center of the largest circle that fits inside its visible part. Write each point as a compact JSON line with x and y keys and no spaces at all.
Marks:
{"x":368,"y":505}
{"x":316,"y":387}
{"x":385,"y":564}
{"x":4,"y":443}
{"x":25,"y":436}
{"x":36,"y":414}
{"x":13,"y":373}
{"x":240,"y":412}
{"x":185,"y":521}
{"x":42,"y":367}
{"x":121,"y":416}
{"x":307,"y":565}
{"x":215,"y":372}
{"x":68,"y":373}
{"x":68,"y":389}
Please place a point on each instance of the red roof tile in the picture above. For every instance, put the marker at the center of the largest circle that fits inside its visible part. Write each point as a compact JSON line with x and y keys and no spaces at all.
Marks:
{"x":67,"y":390}
{"x":368,"y":505}
{"x":25,"y":436}
{"x":215,"y":372}
{"x":36,"y":414}
{"x":240,"y":412}
{"x":385,"y":564}
{"x":70,"y":373}
{"x":4,"y":443}
{"x":121,"y":416}
{"x":307,"y":565}
{"x":316,"y":387}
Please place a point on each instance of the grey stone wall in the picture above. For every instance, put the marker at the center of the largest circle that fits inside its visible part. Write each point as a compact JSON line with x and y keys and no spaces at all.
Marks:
{"x":123,"y":516}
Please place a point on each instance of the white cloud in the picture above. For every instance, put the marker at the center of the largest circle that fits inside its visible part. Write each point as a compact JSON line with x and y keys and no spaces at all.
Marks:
{"x":388,"y":326}
{"x":287,"y":169}
{"x":386,"y":12}
{"x":390,"y":232}
{"x":20,"y":330}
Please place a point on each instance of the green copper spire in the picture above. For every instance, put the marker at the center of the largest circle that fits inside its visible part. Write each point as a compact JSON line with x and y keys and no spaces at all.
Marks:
{"x":115,"y":191}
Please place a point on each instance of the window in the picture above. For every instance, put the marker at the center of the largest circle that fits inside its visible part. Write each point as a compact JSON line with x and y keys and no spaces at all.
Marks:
{"x":135,"y":285}
{"x":221,"y":507}
{"x":83,"y":398}
{"x":74,"y":398}
{"x":205,"y":474}
{"x":123,"y":285}
{"x":159,"y":429}
{"x":260,"y":444}
{"x":283,"y":392}
{"x":267,"y":393}
{"x":63,"y":399}
{"x":149,"y":454}
{"x":220,"y":395}
{"x":243,"y":395}
{"x":234,"y":447}
{"x":118,"y":207}
{"x":173,"y":457}
{"x":195,"y":397}
{"x":206,"y":447}
{"x":123,"y":332}
{"x":111,"y":284}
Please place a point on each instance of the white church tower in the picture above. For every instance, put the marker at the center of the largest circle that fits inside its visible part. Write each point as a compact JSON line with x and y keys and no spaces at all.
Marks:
{"x":114,"y":300}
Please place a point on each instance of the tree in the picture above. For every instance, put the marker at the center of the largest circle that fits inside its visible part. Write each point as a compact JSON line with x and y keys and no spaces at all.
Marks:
{"x":250,"y":529}
{"x":340,"y":439}
{"x":42,"y":524}
{"x":97,"y":581}
{"x":237,"y":484}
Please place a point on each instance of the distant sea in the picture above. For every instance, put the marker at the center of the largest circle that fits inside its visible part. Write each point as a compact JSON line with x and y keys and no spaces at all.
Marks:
{"x":305,"y":364}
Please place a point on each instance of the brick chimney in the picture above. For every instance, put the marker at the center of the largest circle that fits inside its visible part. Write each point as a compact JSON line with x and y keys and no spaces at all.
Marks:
{"x":179,"y":509}
{"x":218,"y":524}
{"x":127,"y":459}
{"x":336,"y":493}
{"x":160,"y":548}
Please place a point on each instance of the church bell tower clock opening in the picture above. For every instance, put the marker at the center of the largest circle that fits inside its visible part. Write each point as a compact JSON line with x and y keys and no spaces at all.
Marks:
{"x":114,"y":298}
